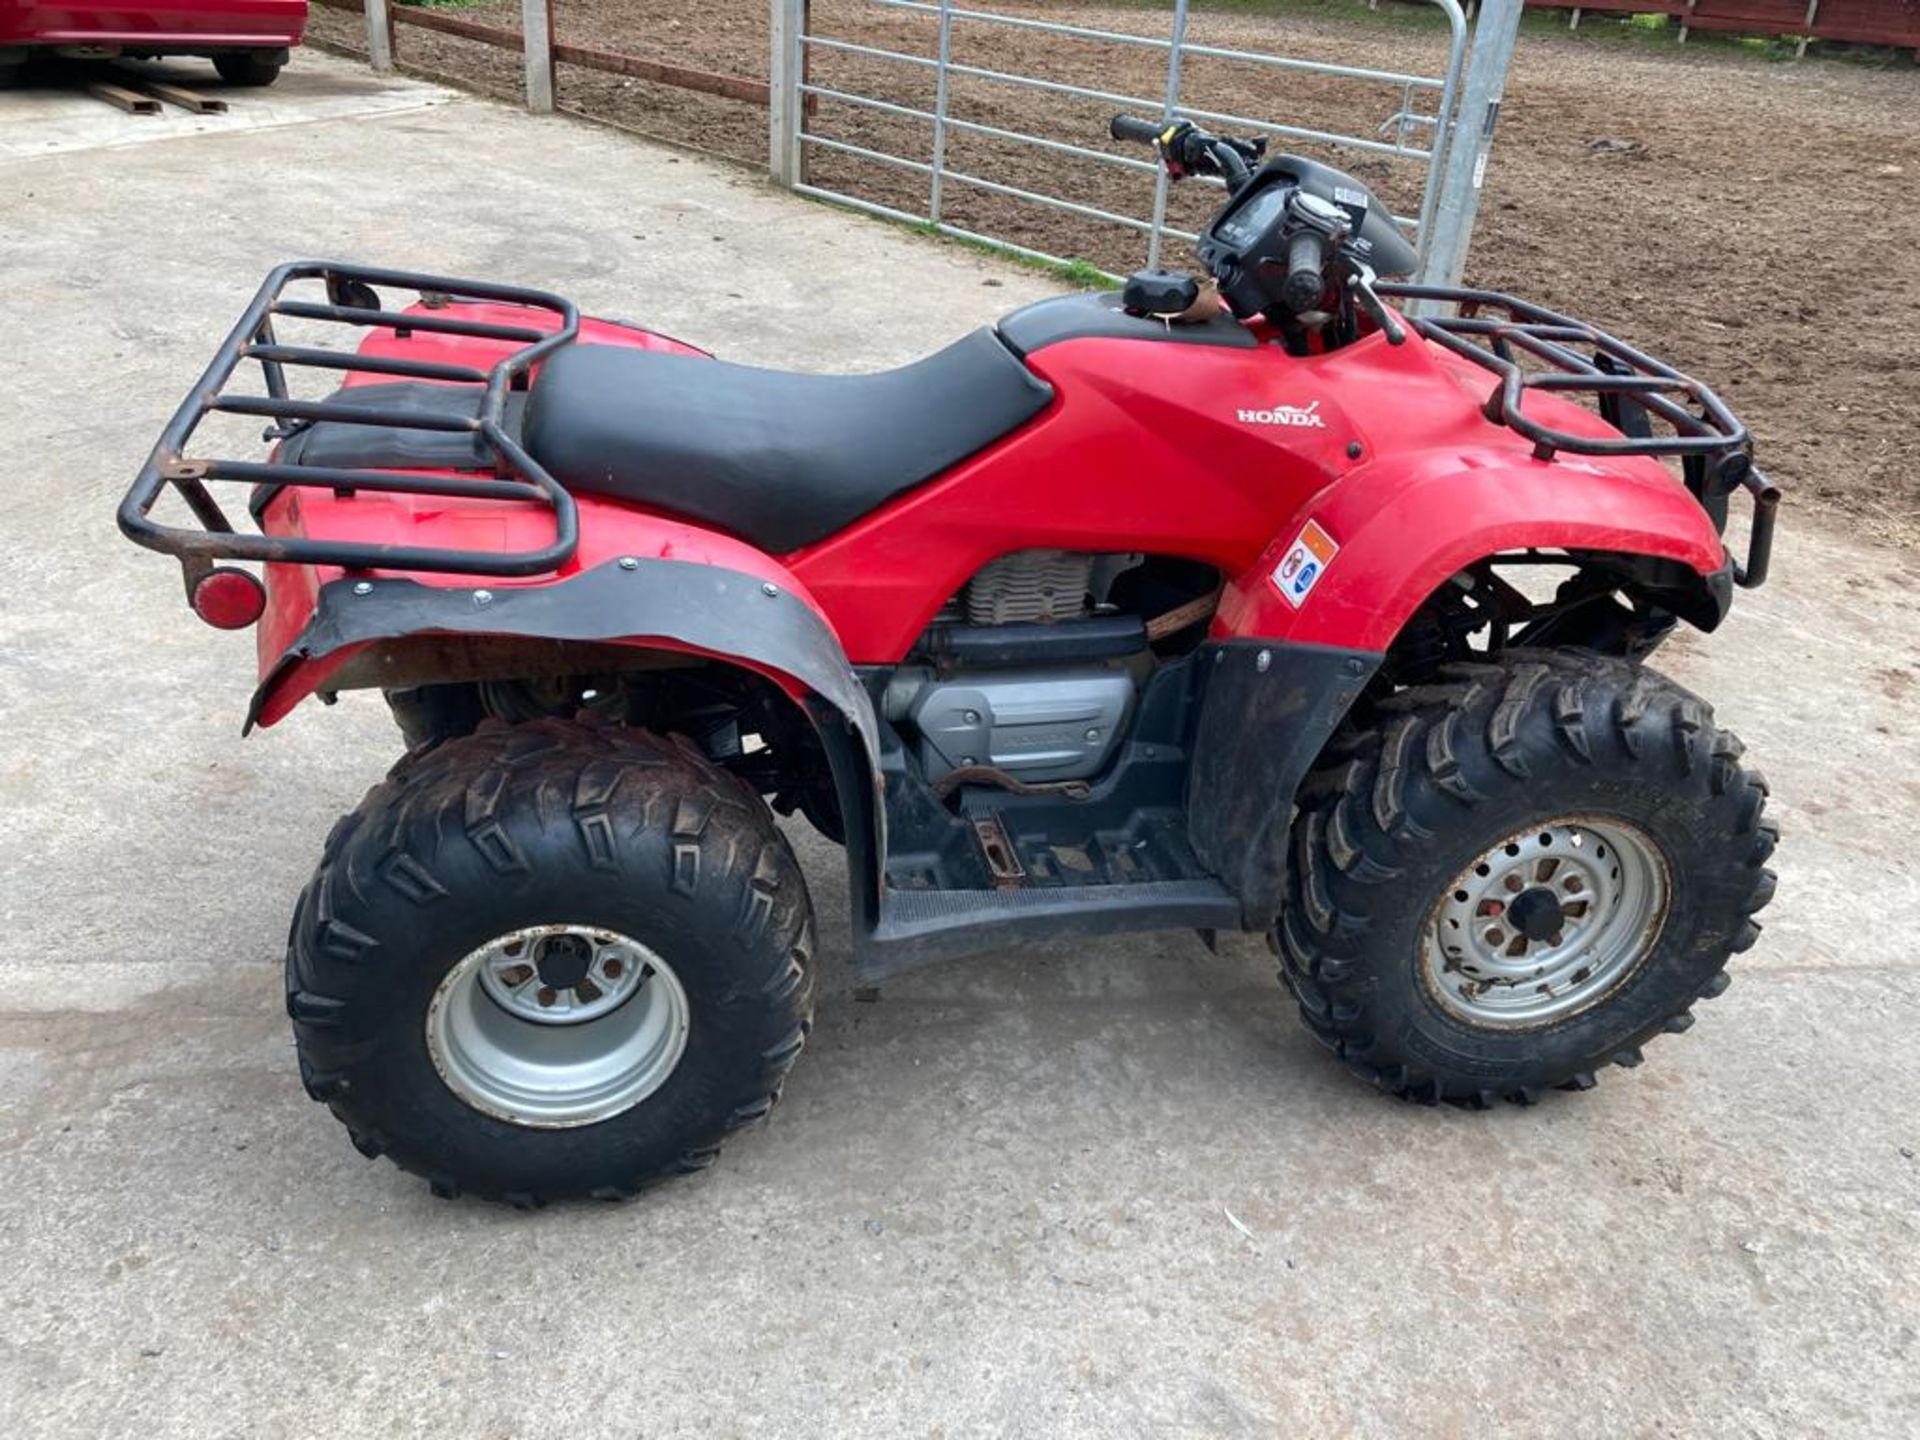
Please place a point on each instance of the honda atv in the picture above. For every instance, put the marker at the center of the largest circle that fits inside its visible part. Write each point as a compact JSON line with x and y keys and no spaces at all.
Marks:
{"x":1304,"y":601}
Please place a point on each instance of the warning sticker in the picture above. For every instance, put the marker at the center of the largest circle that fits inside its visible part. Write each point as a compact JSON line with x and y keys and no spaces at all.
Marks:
{"x":1304,"y":563}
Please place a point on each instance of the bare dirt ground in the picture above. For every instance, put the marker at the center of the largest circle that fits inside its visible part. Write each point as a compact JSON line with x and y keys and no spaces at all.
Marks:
{"x":1755,"y":223}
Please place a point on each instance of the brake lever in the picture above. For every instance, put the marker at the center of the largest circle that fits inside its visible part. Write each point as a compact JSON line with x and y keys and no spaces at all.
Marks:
{"x":1234,"y":161}
{"x":1361,"y":279}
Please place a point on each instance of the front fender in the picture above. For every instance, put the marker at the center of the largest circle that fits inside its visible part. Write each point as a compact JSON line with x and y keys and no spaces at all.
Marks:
{"x":1282,"y":676}
{"x":1400,"y":538}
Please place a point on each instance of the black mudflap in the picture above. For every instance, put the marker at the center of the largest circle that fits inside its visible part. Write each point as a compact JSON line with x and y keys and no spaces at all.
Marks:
{"x":1268,"y":711}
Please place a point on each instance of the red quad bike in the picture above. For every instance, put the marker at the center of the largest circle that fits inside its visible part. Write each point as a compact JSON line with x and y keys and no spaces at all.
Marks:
{"x":1273,"y":610}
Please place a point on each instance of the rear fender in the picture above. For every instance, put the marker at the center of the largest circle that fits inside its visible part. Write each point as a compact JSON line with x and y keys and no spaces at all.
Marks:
{"x":770,"y":627}
{"x":310,"y":603}
{"x":1282,"y":674}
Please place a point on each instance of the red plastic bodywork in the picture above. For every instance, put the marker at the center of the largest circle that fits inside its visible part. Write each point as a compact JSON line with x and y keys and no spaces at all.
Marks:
{"x":1143,"y":448}
{"x":155,"y":26}
{"x":608,"y":530}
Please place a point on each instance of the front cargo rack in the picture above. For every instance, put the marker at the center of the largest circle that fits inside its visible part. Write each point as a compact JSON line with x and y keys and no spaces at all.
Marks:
{"x":1633,"y":391}
{"x":352,"y":301}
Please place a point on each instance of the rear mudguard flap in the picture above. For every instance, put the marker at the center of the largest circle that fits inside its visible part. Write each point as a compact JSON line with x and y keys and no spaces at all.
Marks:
{"x":700,"y":608}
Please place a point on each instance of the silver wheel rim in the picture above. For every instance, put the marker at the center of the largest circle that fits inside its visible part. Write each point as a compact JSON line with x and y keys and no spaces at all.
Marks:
{"x":558,"y":1025}
{"x":1546,"y":923}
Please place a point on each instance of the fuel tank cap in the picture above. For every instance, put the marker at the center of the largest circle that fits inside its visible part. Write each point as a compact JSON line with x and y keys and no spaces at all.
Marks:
{"x":1160,"y":293}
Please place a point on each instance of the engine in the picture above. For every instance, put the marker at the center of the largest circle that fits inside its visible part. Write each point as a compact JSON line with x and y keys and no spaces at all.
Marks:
{"x":1034,"y":725}
{"x":1055,"y":717}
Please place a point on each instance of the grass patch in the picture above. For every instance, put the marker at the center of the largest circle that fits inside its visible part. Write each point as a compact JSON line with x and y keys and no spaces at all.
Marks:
{"x":1083,"y":273}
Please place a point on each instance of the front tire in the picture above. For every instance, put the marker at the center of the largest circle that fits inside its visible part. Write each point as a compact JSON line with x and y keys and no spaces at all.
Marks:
{"x":1502,"y":883}
{"x":551,"y":961}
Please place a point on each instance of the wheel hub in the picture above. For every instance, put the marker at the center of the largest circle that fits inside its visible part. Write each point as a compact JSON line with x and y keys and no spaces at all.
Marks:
{"x":558,"y":1025}
{"x":1537,"y":914}
{"x":563,"y":974}
{"x":564,"y":962}
{"x":1546,"y":923}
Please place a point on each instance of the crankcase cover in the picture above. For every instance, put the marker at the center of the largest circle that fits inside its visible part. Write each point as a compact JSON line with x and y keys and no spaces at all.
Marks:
{"x":1057,"y":725}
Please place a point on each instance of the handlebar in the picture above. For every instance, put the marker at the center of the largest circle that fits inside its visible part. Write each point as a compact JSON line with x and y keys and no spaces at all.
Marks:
{"x":1183,"y":147}
{"x":1129,"y":127}
{"x":1320,"y":225}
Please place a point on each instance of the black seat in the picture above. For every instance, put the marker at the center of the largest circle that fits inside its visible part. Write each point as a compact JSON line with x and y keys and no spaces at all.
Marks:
{"x":779,"y":459}
{"x":776,"y":458}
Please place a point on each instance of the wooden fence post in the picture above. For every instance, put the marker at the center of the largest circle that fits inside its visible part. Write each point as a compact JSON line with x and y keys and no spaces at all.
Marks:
{"x":536,"y":30}
{"x":379,"y":35}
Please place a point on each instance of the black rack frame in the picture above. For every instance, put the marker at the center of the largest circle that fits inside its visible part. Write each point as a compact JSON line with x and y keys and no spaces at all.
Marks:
{"x":1632,"y":389}
{"x":353,"y":301}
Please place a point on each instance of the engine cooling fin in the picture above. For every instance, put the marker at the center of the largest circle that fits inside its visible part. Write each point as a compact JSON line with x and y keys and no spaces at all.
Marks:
{"x":1030,"y":585}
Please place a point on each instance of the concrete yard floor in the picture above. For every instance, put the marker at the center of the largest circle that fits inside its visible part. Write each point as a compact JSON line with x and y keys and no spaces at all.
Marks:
{"x":1117,"y":1191}
{"x":51,"y":111}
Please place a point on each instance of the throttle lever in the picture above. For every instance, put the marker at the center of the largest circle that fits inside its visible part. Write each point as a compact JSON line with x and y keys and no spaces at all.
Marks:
{"x":1362,"y":283}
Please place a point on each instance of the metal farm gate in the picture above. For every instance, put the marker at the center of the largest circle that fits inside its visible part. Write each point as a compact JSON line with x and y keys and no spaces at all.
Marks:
{"x":1441,"y":122}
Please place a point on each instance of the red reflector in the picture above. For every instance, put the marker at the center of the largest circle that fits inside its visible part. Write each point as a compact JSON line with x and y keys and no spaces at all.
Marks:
{"x":228,"y":599}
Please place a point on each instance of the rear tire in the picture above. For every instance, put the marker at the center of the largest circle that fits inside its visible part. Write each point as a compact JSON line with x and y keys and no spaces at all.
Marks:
{"x":493,"y":854}
{"x":433,"y":714}
{"x":250,"y":67}
{"x":1507,"y":881}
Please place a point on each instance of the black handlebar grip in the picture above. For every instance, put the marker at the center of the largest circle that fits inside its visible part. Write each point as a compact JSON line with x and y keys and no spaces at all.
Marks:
{"x":1306,"y":259}
{"x":1128,"y":127}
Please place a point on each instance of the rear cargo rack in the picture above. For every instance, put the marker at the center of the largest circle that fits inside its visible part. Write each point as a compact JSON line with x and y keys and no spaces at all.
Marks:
{"x":1634,"y":391}
{"x":352,"y":301}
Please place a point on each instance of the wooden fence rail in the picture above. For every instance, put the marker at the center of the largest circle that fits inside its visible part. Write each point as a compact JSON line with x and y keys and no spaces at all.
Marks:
{"x":544,"y":51}
{"x":1894,"y":23}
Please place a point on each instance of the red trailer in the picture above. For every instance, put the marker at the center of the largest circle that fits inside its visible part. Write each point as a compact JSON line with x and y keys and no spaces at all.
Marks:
{"x":247,"y":40}
{"x":1857,"y":22}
